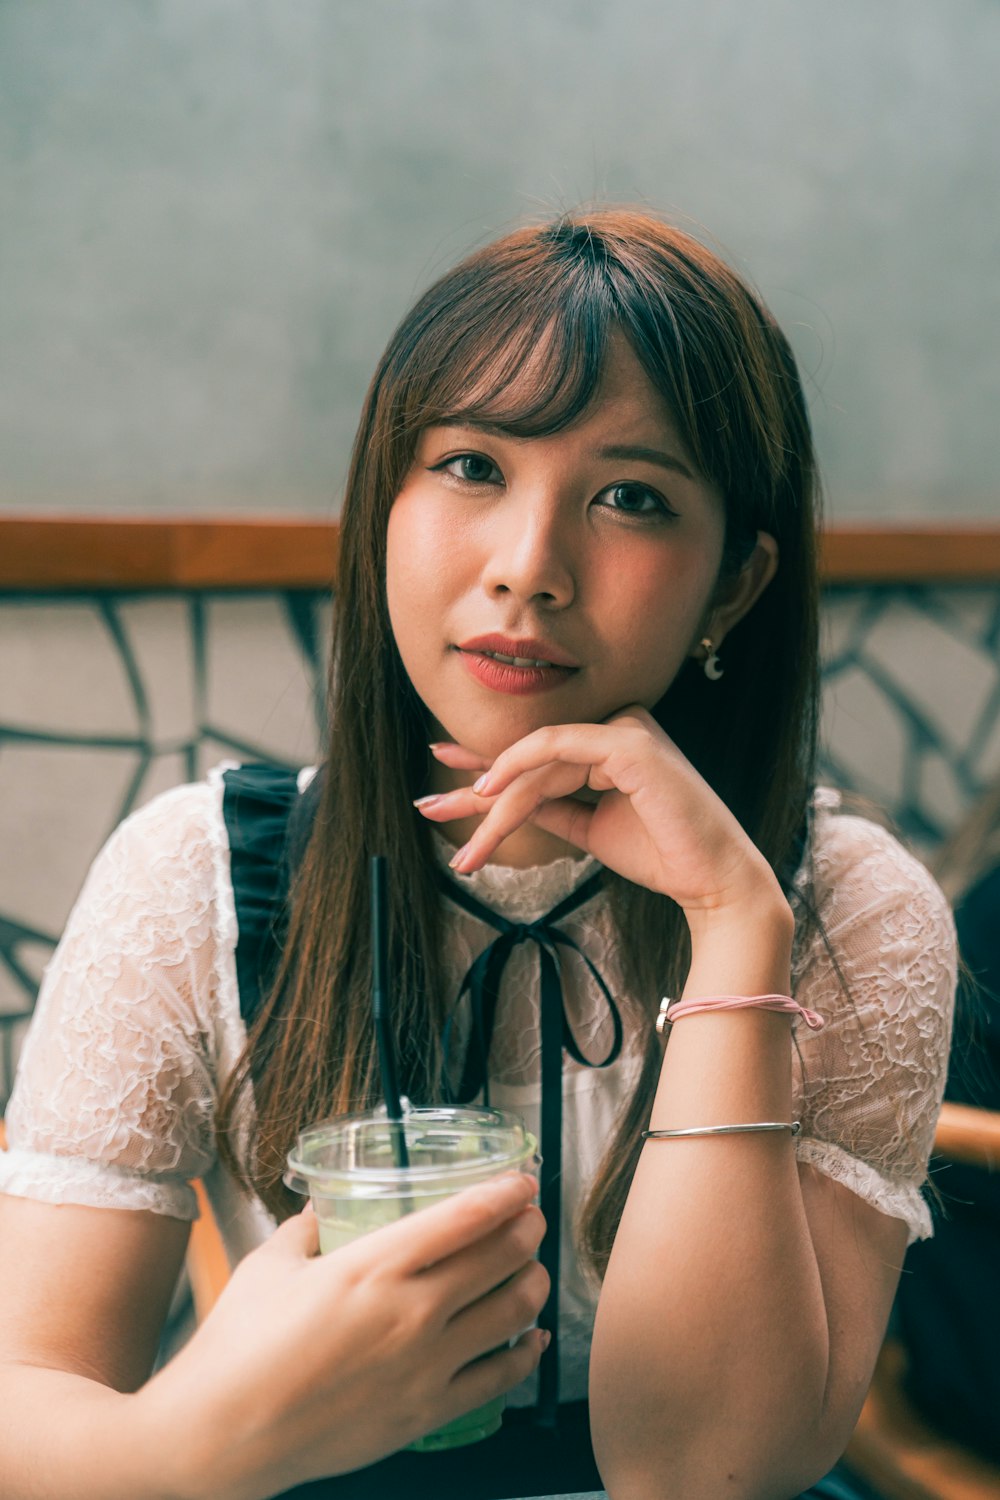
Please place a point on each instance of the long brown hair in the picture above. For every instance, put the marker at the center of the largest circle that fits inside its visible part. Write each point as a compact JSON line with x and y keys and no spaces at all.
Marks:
{"x":517,"y":335}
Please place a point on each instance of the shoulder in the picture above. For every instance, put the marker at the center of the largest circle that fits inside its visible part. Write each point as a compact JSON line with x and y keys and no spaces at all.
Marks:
{"x":158,"y":889}
{"x":859,"y":868}
{"x":169,"y":844}
{"x":182,"y":835}
{"x":883,"y":936}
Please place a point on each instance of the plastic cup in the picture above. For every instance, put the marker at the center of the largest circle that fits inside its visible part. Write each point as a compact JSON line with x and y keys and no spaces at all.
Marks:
{"x":347,"y":1167}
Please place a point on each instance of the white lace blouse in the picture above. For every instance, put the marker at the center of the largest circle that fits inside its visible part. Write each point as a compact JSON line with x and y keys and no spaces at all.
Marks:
{"x":138,"y":1023}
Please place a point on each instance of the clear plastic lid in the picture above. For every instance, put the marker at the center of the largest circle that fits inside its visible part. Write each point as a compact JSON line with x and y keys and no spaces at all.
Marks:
{"x":340,"y":1156}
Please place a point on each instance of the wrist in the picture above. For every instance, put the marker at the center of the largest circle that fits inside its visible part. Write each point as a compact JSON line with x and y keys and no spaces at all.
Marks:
{"x":742,"y":949}
{"x":765,"y":915}
{"x":181,"y":1441}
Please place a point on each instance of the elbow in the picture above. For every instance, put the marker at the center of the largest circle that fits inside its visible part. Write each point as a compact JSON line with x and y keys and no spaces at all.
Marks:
{"x":708,"y":1481}
{"x":718,"y":1463}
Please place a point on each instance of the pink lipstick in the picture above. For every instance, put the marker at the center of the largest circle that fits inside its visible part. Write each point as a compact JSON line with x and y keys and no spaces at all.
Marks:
{"x":517,"y":666}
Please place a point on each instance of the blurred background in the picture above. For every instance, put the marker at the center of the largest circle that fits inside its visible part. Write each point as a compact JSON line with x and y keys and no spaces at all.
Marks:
{"x":215,"y":211}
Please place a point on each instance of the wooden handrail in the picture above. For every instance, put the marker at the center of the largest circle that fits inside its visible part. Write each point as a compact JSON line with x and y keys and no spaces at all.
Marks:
{"x":969,"y":1135}
{"x":41,"y":553}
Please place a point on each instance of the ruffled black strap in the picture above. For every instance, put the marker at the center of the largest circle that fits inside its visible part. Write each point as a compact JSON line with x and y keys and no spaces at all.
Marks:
{"x":265,"y":843}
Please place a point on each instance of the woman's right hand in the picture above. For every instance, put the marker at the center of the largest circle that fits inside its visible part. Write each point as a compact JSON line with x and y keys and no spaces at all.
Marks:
{"x":311,"y":1365}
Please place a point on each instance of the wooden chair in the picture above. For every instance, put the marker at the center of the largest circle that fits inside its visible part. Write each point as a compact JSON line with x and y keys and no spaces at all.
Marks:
{"x":893,"y":1448}
{"x":207,"y":1262}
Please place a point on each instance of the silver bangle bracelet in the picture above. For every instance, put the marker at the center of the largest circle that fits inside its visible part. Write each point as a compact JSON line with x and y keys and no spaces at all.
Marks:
{"x":669,"y":1135}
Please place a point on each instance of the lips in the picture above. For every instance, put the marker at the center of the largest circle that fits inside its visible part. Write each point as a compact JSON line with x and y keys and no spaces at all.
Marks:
{"x":523,"y":652}
{"x":516,"y":667}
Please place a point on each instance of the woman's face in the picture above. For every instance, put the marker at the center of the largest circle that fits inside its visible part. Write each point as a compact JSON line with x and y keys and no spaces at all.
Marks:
{"x":595,"y":551}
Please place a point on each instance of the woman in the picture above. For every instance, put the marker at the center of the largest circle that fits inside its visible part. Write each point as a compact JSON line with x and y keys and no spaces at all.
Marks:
{"x":578,"y":555}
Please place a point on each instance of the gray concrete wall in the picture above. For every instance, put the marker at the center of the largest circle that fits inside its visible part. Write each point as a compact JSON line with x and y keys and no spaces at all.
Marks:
{"x":212,"y":212}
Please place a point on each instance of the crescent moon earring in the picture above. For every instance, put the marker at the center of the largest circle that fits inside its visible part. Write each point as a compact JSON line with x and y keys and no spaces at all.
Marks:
{"x":710,"y":666}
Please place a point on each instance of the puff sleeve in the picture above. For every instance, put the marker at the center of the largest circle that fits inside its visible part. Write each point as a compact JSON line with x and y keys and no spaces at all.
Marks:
{"x":881,"y":971}
{"x":114,"y":1100}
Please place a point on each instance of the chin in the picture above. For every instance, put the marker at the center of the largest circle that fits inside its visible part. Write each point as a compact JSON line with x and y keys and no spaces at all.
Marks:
{"x":487,"y":734}
{"x":488,"y":742}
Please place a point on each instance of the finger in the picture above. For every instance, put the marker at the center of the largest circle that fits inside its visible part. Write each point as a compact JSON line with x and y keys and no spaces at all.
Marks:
{"x":579,"y":744}
{"x":503,"y":1314}
{"x":568,"y":818}
{"x":496,"y":1374}
{"x":456,"y":756}
{"x":517,"y":805}
{"x":443,"y":807}
{"x":419,"y":1240}
{"x":462,"y":1279}
{"x":589,"y":745}
{"x":296,"y":1238}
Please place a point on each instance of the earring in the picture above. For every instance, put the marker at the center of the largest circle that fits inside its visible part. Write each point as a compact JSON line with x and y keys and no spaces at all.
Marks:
{"x":710,"y":666}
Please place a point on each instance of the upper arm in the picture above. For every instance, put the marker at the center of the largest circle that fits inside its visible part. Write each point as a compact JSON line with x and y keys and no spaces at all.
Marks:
{"x":869,"y":1085}
{"x":114,"y":1098}
{"x":86,"y":1289}
{"x":111,"y":1117}
{"x":859,"y":1252}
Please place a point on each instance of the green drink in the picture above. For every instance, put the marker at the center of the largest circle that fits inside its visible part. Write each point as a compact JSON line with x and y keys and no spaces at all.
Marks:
{"x":348,"y":1168}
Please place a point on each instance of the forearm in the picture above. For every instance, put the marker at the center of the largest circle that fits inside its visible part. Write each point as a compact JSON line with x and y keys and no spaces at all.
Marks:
{"x":711,"y":1348}
{"x":66,"y":1437}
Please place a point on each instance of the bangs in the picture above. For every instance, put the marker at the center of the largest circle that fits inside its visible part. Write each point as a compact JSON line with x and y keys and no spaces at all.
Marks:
{"x":517,"y":337}
{"x":519,"y":351}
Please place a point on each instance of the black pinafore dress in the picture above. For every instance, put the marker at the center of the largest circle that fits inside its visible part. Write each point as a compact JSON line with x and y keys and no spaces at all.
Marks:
{"x":267,"y":823}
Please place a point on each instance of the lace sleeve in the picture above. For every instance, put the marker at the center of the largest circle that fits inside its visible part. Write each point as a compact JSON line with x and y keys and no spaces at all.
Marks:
{"x":114,"y":1099}
{"x":869,"y":1085}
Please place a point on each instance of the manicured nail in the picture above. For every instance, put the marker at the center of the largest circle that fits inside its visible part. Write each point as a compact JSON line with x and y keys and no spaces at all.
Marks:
{"x":480,"y":785}
{"x":458,"y":857}
{"x":426,"y":801}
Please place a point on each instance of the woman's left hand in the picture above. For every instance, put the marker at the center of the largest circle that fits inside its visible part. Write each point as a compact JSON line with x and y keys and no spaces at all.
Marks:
{"x":655,"y":820}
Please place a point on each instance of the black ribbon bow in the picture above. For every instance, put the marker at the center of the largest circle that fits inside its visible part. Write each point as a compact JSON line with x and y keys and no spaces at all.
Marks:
{"x":482,"y":984}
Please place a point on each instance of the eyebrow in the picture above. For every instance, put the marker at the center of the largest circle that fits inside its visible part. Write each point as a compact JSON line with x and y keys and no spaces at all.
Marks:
{"x":646,"y":455}
{"x":634,"y":451}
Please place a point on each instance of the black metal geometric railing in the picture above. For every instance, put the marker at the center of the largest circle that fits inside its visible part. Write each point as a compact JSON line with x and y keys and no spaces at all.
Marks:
{"x":940,"y":734}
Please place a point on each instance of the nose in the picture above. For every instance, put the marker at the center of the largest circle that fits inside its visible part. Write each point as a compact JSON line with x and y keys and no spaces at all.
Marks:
{"x":530,"y":557}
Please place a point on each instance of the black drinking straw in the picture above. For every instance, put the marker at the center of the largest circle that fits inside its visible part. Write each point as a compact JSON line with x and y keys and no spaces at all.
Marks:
{"x":380,"y":1010}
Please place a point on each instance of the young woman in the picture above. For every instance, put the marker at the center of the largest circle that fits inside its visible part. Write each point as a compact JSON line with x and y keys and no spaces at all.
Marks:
{"x":574,"y":701}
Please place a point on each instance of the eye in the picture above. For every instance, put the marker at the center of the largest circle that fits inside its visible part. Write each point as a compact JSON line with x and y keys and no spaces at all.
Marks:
{"x":473,"y":468}
{"x":635,"y":500}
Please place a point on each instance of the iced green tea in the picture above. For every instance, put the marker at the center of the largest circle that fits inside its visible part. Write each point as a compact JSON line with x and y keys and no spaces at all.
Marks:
{"x":348,"y":1168}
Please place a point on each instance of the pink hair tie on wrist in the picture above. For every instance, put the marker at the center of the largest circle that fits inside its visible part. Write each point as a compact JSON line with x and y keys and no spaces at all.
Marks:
{"x":671,"y":1011}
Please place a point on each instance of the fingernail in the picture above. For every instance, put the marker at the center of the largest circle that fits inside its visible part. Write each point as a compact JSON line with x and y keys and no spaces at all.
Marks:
{"x":480,"y":785}
{"x":546,"y":1339}
{"x":426,"y":801}
{"x":457,"y":858}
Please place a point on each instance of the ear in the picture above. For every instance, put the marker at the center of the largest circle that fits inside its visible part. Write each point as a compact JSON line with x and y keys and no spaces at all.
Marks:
{"x":741,"y":593}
